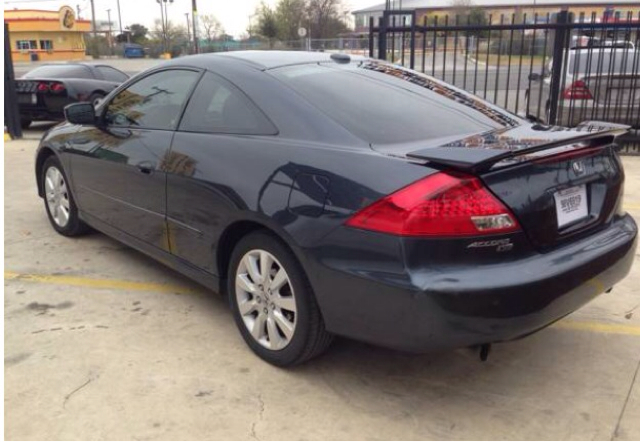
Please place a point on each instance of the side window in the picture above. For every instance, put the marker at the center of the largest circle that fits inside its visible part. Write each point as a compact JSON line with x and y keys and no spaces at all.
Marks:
{"x":219,"y":107}
{"x":153,"y":102}
{"x":111,"y":74}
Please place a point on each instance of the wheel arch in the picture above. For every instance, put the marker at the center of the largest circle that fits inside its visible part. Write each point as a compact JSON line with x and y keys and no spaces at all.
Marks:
{"x":238,"y":230}
{"x":44,"y":153}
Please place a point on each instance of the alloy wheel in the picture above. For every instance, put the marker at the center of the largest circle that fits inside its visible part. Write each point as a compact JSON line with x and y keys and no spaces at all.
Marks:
{"x":57,"y":196}
{"x":266,"y":299}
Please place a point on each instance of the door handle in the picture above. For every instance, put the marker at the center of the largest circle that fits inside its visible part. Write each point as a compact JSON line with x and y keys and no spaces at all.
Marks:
{"x":145,"y":169}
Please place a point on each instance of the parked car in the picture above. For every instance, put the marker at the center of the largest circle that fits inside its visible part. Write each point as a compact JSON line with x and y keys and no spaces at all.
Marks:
{"x":598,"y":83}
{"x":333,"y":195}
{"x":44,"y":91}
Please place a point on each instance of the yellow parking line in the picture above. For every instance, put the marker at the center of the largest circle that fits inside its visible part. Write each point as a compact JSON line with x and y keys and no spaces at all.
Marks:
{"x":598,"y":327}
{"x":95,"y":283}
{"x":79,"y":281}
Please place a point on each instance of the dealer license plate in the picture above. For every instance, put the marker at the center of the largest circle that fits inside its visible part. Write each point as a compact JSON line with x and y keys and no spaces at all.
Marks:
{"x":27,"y":99}
{"x":571,"y":205}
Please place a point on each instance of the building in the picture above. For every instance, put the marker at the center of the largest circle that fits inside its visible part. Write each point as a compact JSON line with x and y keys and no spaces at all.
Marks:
{"x":442,"y":8}
{"x":46,"y":35}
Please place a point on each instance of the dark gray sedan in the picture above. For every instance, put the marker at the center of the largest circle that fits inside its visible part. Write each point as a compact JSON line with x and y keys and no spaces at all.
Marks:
{"x":333,"y":195}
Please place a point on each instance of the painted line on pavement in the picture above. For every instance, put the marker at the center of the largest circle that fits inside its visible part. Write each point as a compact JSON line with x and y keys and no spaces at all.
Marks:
{"x":115,"y":284}
{"x":95,"y":283}
{"x":598,"y":327}
{"x":631,"y":206}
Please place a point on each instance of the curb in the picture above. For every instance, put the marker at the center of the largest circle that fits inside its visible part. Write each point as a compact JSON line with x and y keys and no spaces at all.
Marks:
{"x":473,"y":60}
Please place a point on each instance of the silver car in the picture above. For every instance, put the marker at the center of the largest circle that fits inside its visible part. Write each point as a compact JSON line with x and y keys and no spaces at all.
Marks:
{"x":600,"y":83}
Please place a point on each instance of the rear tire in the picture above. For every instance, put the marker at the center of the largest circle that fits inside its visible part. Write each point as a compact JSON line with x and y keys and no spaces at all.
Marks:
{"x":96,"y":98}
{"x":25,"y":123}
{"x":273,"y":303}
{"x":58,"y":200}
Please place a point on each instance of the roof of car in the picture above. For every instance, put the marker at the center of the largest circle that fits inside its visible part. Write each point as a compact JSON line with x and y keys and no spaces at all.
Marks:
{"x":262,"y":59}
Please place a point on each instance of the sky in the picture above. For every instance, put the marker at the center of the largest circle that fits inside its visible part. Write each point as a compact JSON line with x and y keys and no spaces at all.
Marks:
{"x":233,"y":14}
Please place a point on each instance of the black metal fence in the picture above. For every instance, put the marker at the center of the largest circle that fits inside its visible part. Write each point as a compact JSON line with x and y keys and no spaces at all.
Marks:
{"x":556,"y":68}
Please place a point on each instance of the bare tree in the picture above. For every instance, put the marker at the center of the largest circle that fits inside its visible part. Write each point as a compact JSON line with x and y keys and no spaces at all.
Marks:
{"x":325,"y":18}
{"x":211,"y":27}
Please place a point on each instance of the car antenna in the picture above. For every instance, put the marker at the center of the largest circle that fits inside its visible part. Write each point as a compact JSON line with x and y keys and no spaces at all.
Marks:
{"x":341,"y":58}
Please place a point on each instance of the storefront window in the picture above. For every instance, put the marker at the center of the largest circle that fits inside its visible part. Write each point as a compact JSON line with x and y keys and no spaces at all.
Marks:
{"x":46,"y":45}
{"x":25,"y":45}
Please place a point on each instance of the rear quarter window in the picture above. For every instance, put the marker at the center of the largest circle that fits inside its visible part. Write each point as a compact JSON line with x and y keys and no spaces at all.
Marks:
{"x":382,"y":104}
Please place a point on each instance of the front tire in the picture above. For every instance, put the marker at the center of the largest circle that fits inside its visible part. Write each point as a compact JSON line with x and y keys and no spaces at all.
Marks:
{"x":58,"y":200}
{"x":273,"y":303}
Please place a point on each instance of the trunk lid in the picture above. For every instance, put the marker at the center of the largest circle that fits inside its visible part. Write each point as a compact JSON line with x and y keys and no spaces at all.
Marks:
{"x":560,"y":183}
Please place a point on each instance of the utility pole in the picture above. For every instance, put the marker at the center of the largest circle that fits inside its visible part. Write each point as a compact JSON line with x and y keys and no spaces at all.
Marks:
{"x":166,"y":21}
{"x":110,"y":41}
{"x":194,"y":17}
{"x":78,"y":11}
{"x":93,"y":19}
{"x":119,"y":18}
{"x":164,"y":30}
{"x":186,"y":14}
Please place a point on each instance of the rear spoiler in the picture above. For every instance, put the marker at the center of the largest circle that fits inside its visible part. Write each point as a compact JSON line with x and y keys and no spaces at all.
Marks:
{"x":482,"y":158}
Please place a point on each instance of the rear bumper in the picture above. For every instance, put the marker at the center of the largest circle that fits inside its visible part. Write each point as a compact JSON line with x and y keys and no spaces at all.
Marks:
{"x":456,"y":306}
{"x":40,"y":114}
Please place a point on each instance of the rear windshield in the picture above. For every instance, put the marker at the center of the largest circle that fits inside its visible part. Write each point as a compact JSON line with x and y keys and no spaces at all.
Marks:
{"x":60,"y":71}
{"x":384,"y":104}
{"x":596,"y":61}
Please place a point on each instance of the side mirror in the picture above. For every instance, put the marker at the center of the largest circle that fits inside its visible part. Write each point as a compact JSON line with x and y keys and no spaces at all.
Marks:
{"x":80,"y":113}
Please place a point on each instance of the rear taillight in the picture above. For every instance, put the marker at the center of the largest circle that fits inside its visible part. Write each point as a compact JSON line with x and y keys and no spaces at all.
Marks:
{"x":577,"y":90}
{"x":443,"y":204}
{"x":57,"y":87}
{"x":43,"y":87}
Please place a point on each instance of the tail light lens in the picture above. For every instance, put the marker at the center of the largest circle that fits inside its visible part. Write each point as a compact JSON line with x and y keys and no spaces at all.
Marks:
{"x":443,"y":204}
{"x":43,"y":87}
{"x":577,"y":90}
{"x":57,"y":87}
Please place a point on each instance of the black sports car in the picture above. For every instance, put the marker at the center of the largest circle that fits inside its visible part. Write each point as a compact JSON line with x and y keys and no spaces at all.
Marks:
{"x":334,"y":195}
{"x":44,"y":91}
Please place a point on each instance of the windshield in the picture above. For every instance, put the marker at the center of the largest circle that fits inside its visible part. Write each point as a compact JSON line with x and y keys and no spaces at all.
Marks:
{"x":60,"y":71}
{"x":596,"y":61}
{"x":384,"y":104}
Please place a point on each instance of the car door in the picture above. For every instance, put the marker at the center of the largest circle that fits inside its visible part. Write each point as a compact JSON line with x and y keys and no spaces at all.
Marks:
{"x":117,"y":165}
{"x":211,"y":151}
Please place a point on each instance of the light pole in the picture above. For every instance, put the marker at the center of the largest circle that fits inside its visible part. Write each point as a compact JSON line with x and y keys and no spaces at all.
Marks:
{"x":186,"y":14}
{"x":194,"y":17}
{"x":164,"y":31}
{"x":119,"y":18}
{"x":93,"y":20}
{"x":110,"y":42}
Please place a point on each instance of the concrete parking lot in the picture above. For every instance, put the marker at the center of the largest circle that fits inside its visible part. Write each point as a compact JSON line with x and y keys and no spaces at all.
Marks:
{"x":102,"y":342}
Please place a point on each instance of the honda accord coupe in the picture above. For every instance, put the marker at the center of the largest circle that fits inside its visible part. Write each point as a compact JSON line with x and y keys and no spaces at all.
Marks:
{"x":328,"y":194}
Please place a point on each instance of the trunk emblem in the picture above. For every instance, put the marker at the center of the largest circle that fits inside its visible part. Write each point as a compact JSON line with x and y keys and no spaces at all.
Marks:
{"x":578,"y":167}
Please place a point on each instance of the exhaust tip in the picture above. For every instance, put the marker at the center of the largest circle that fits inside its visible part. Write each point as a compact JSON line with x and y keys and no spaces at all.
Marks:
{"x":484,"y":352}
